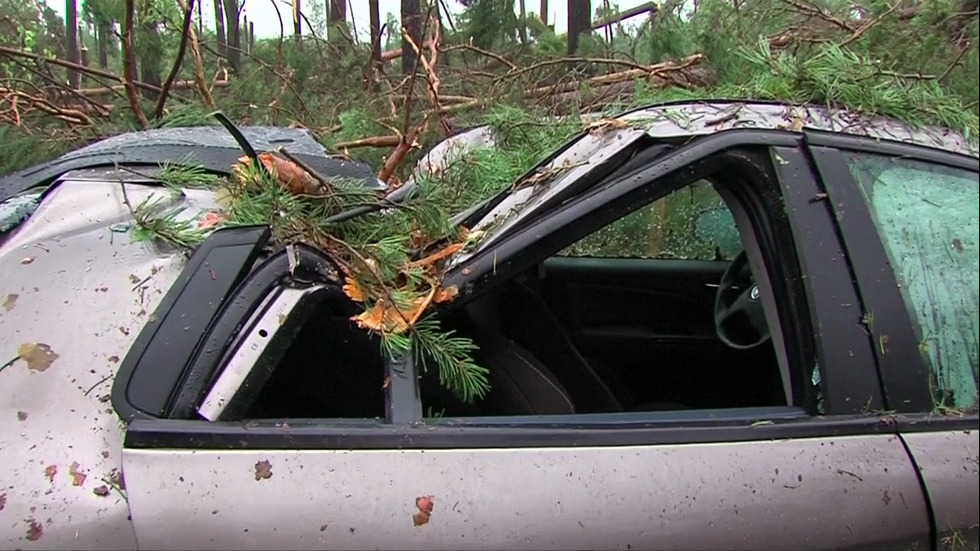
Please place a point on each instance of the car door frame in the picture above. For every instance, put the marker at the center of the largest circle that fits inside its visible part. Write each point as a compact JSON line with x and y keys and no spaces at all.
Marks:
{"x":839,"y":345}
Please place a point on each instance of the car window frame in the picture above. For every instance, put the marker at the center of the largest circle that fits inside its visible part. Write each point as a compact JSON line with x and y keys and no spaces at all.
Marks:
{"x":404,"y":426}
{"x":904,"y":373}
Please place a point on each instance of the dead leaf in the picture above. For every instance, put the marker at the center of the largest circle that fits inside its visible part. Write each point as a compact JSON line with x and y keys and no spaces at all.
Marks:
{"x":113,"y":359}
{"x":384,"y":317}
{"x":445,"y":294}
{"x":38,"y":356}
{"x":10,"y":301}
{"x":50,"y":471}
{"x":289,"y":174}
{"x":957,"y":246}
{"x":601,"y":126}
{"x":425,"y":503}
{"x":34,"y":530}
{"x":420,"y":518}
{"x":77,"y":478}
{"x":263,"y":470}
{"x":353,"y":290}
{"x":117,"y":479}
{"x":210,"y":220}
{"x":3,"y":501}
{"x":22,"y":416}
{"x":27,"y":260}
{"x":101,"y":491}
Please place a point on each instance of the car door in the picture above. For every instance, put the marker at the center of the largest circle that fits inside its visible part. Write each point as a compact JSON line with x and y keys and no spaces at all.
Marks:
{"x":808,"y":474}
{"x":911,"y":230}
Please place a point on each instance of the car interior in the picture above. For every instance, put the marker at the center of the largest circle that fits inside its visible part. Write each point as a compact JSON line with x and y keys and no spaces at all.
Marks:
{"x":665,"y":318}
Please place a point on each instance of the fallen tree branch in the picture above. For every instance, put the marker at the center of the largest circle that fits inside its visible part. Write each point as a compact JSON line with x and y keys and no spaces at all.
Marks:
{"x":70,"y":116}
{"x":374,"y":141}
{"x":598,"y":60}
{"x":398,"y":154}
{"x":14,"y":52}
{"x":202,"y":87}
{"x":661,"y":71}
{"x":175,"y":70}
{"x":95,"y":92}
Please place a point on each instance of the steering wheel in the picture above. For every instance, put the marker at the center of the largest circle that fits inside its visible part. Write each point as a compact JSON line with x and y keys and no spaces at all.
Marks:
{"x":740,"y":321}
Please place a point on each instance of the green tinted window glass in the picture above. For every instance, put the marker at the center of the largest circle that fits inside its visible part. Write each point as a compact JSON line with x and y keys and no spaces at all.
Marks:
{"x":691,"y":223}
{"x":927,"y":218}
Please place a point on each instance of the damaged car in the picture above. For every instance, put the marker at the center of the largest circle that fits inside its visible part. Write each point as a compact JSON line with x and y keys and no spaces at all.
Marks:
{"x":715,"y":324}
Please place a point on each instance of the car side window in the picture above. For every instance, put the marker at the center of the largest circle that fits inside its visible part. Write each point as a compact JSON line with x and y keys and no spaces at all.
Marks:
{"x":692,"y":223}
{"x":926,"y":216}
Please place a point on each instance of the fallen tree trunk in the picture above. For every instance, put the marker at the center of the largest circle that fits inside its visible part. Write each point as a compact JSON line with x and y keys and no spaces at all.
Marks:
{"x":94,"y":92}
{"x":685,"y":73}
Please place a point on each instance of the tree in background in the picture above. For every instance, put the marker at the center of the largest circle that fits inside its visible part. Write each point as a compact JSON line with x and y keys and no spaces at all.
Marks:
{"x":71,"y":33}
{"x":219,"y":26}
{"x":412,"y":21}
{"x":488,"y":23}
{"x":579,"y":22}
{"x":233,"y":35}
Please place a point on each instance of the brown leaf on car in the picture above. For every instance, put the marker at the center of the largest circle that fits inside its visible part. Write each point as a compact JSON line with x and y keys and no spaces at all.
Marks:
{"x":22,"y":416}
{"x":385,"y":317}
{"x":445,"y":294}
{"x":27,"y":260}
{"x":77,"y":477}
{"x":289,"y":174}
{"x":10,"y":301}
{"x":101,"y":491}
{"x":420,"y":518}
{"x":353,"y":290}
{"x":424,"y":504}
{"x":50,"y":471}
{"x":263,"y":470}
{"x":957,"y":245}
{"x":38,"y":356}
{"x":34,"y":530}
{"x":3,"y":501}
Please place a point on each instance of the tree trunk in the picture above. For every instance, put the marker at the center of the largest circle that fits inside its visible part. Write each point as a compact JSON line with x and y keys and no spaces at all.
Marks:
{"x":412,"y":21}
{"x":338,"y":12}
{"x":544,"y":12}
{"x":102,"y":35}
{"x":71,"y":32}
{"x":521,"y":26}
{"x":579,"y":22}
{"x":375,"y":16}
{"x":232,"y":31}
{"x":297,"y":21}
{"x":219,"y":26}
{"x":200,"y":18}
{"x":150,"y":50}
{"x":129,"y":64}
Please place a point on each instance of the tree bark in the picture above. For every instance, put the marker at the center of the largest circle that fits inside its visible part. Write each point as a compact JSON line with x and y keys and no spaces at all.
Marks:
{"x":338,"y":11}
{"x":375,"y":16}
{"x":71,"y":37}
{"x":102,"y":35}
{"x":521,"y":26}
{"x":544,"y":12}
{"x":129,"y":65}
{"x":219,"y":26}
{"x":412,"y":21}
{"x":232,"y":32}
{"x":297,"y":21}
{"x":579,"y":22}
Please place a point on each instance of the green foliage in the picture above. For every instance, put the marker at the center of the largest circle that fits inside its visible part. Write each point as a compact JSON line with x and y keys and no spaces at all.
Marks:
{"x":489,"y":23}
{"x":153,"y":220}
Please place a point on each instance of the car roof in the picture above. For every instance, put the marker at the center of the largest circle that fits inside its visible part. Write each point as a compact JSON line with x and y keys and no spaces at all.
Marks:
{"x":691,"y":118}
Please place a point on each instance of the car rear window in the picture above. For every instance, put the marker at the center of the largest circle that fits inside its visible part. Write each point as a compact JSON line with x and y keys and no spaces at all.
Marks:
{"x":926,"y":215}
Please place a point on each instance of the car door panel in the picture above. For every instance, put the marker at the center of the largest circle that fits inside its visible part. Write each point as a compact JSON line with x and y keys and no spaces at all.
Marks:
{"x":949,"y":463}
{"x":801,"y":494}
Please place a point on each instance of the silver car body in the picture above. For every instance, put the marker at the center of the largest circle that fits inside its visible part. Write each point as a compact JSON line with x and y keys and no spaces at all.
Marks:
{"x":76,"y":289}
